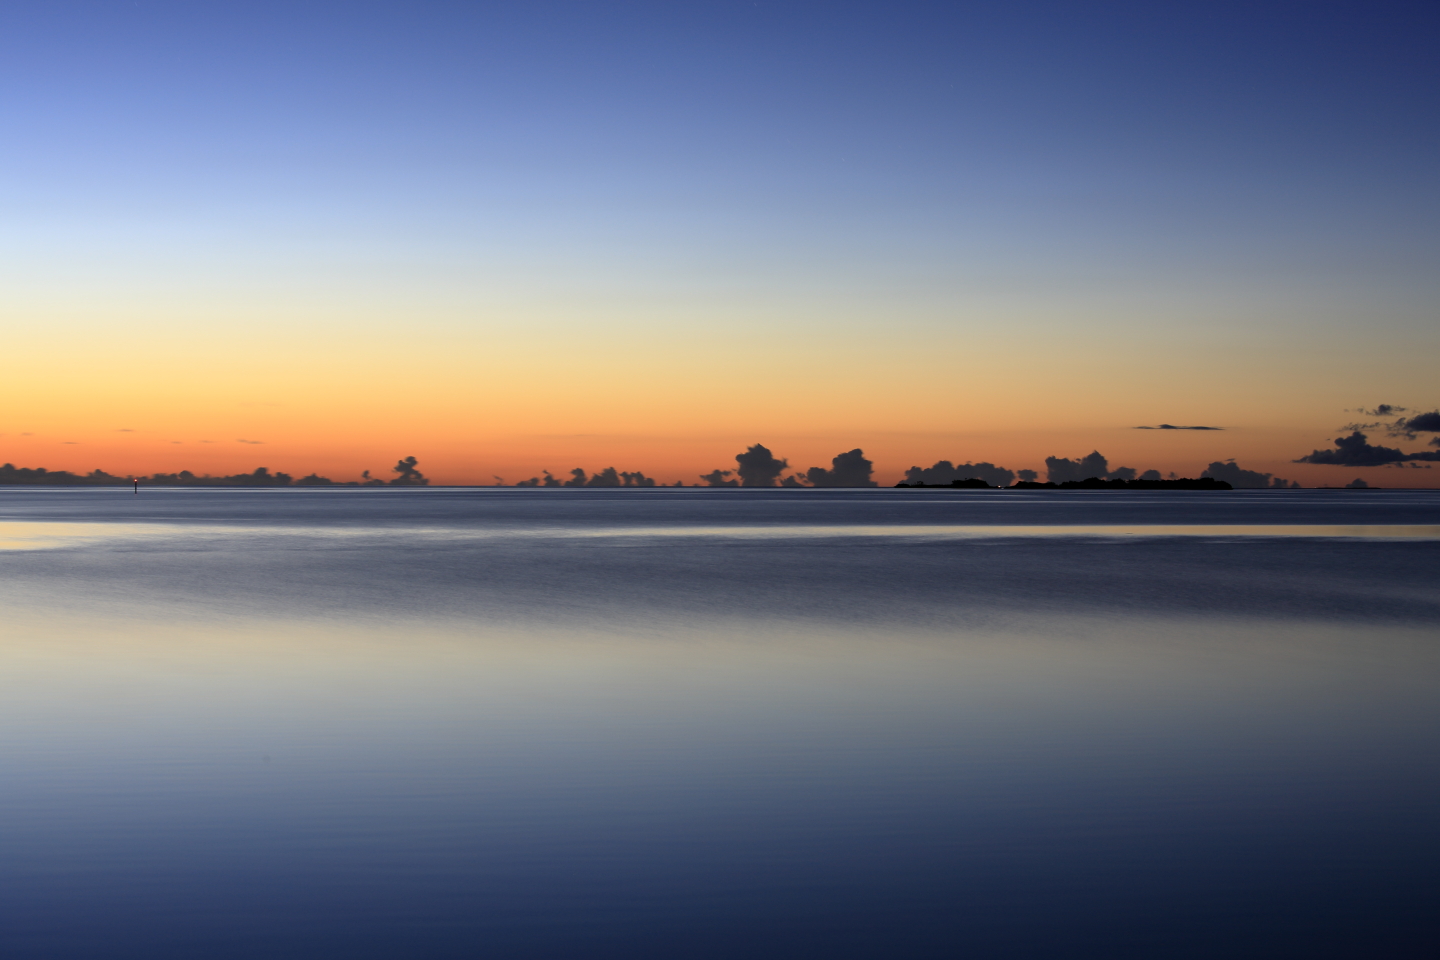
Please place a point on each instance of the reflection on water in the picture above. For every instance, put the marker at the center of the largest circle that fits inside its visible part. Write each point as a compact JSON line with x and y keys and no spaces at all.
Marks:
{"x":35,"y":536}
{"x":683,"y":734}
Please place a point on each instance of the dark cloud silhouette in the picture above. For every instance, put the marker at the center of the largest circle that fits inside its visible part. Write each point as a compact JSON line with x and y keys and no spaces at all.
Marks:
{"x":1357,"y":484}
{"x":1062,"y":470}
{"x":945,"y":472}
{"x":716,"y":478}
{"x":1421,"y":423}
{"x":1389,"y":420}
{"x":261,"y":477}
{"x":605,"y":478}
{"x":609,"y":477}
{"x":1028,"y":476}
{"x":758,"y":467}
{"x":1241,"y":479}
{"x":408,"y":475}
{"x":547,"y":481}
{"x":1151,"y":475}
{"x":1357,"y":451}
{"x":1396,"y":425}
{"x":255,"y":442}
{"x":1171,"y":426}
{"x":848,"y":469}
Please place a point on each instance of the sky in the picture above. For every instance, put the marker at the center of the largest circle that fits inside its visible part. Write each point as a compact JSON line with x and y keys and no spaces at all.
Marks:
{"x":504,"y":238}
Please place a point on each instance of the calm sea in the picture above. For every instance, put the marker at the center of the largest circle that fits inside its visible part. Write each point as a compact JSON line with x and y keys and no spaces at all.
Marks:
{"x":718,"y":723}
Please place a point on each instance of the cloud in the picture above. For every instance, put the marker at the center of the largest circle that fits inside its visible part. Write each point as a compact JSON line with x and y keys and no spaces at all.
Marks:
{"x":1062,"y":470}
{"x":1171,"y":426}
{"x":849,"y":469}
{"x":256,"y":442}
{"x":609,"y":477}
{"x":124,"y":430}
{"x":1357,"y":451}
{"x":1357,"y":484}
{"x":759,"y":467}
{"x":716,"y":478}
{"x":1394,"y":424}
{"x":945,"y":472}
{"x":1241,"y":479}
{"x":1422,"y":423}
{"x":409,"y":476}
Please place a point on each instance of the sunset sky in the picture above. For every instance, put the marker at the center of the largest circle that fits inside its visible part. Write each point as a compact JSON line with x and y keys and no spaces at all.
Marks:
{"x":510,"y":237}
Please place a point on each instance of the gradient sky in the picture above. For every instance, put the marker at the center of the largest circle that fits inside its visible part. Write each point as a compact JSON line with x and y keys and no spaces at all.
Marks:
{"x":508,"y":237}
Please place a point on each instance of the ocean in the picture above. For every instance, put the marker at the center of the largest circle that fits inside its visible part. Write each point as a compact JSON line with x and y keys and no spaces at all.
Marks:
{"x":497,"y":722}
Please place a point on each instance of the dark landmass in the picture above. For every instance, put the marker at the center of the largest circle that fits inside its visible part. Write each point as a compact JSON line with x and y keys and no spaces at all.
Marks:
{"x":409,"y":476}
{"x":971,"y":483}
{"x":1090,"y":483}
{"x":1179,"y":483}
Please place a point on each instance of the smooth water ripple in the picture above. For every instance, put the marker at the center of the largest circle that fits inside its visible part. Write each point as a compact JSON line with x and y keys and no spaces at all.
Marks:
{"x":458,"y":723}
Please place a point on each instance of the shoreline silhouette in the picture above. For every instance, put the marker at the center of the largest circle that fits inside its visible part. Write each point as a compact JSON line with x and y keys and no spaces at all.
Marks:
{"x":1089,"y":483}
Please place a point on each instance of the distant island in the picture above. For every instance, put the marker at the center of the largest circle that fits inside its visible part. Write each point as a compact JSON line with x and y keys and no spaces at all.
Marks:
{"x":1090,"y":483}
{"x":409,"y":476}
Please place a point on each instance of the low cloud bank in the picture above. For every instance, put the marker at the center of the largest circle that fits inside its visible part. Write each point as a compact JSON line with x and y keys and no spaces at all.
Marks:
{"x":1240,"y":479}
{"x":718,"y":478}
{"x":758,"y":467}
{"x":1063,"y":470}
{"x":609,"y":477}
{"x":1357,"y":451}
{"x":945,"y":472}
{"x":848,"y":469}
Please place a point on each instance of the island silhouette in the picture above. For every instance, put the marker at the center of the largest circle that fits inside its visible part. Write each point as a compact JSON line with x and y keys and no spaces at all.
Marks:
{"x":1089,"y":483}
{"x":409,"y":476}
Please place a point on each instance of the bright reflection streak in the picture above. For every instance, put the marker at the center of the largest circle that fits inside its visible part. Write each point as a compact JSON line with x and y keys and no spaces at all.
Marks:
{"x":38,"y":536}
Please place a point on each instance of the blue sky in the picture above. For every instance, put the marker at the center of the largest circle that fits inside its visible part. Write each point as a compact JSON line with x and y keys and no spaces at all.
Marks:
{"x":1132,"y":170}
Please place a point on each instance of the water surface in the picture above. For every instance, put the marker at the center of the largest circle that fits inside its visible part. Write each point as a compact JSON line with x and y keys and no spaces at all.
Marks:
{"x":583,"y":723}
